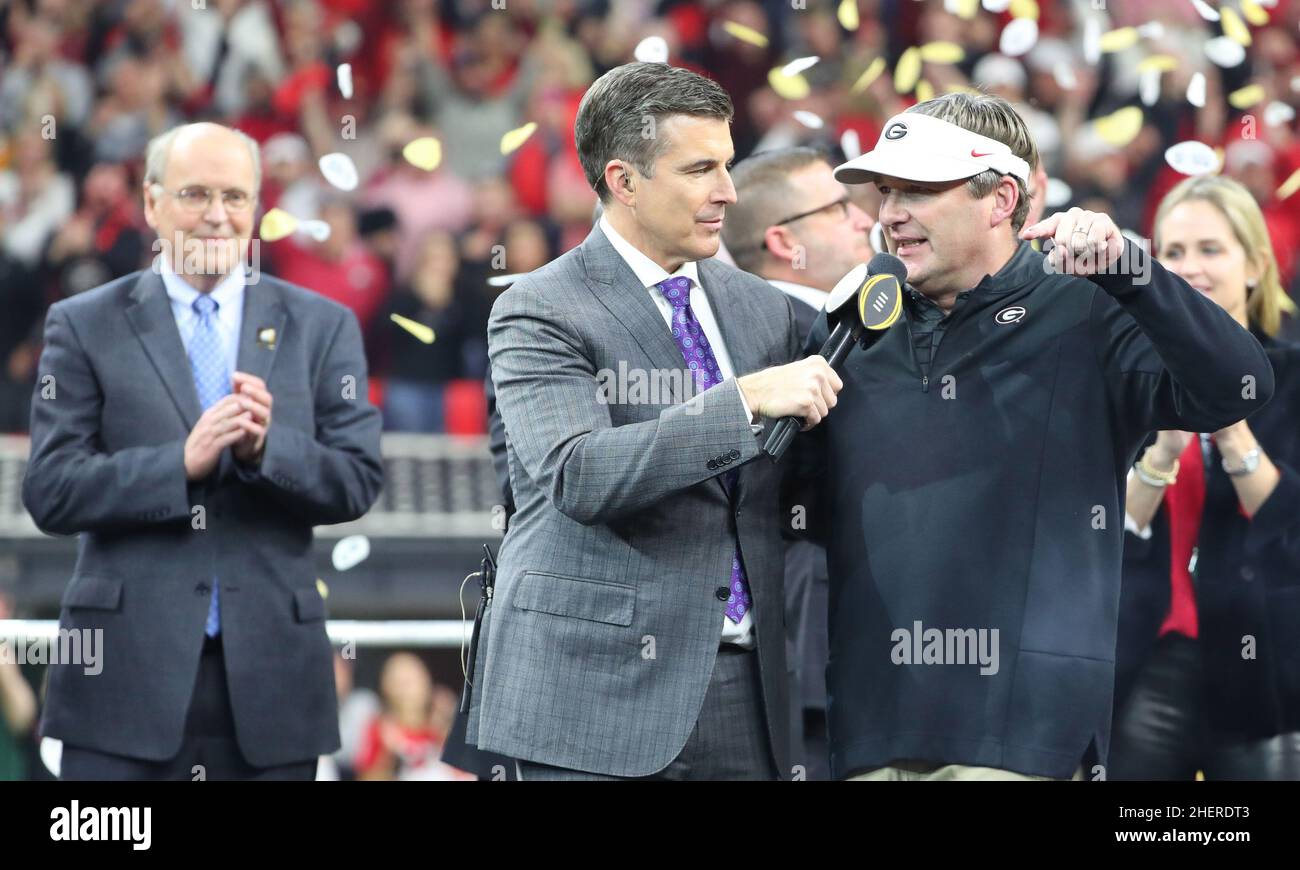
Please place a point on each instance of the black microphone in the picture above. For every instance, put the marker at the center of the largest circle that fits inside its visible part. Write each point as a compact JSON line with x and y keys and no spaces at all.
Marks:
{"x":863,"y":304}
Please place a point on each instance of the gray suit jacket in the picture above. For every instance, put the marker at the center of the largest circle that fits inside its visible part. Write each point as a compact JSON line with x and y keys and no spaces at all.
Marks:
{"x":107,"y":462}
{"x":600,"y":642}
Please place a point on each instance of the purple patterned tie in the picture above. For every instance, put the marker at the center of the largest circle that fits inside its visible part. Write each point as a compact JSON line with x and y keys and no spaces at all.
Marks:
{"x":699,"y":357}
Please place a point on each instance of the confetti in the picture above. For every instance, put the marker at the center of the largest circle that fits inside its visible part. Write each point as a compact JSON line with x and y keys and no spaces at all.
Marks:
{"x":1064,"y":75}
{"x":851,"y":144}
{"x":1233,"y":27}
{"x":1208,"y":12}
{"x":942,"y":52}
{"x":1092,"y":41}
{"x":419,"y":330}
{"x":961,"y":8}
{"x":511,"y":141}
{"x":1160,"y":62}
{"x":788,"y":87}
{"x":1121,"y":127}
{"x":277,"y":224}
{"x":798,"y":65}
{"x":1151,"y":30}
{"x":809,"y":119}
{"x":1244,"y":98}
{"x":1196,"y":90}
{"x":1254,"y":13}
{"x":1027,"y":9}
{"x":318,"y":230}
{"x":505,"y":280}
{"x":1018,"y":37}
{"x":1149,"y":87}
{"x":1118,"y":40}
{"x":1192,"y":158}
{"x":997,"y":7}
{"x":848,"y":14}
{"x":1224,"y":52}
{"x":908,"y":70}
{"x":345,"y":80}
{"x":652,"y":49}
{"x":1290,"y":186}
{"x":423,"y":153}
{"x":1058,"y":193}
{"x":869,"y":75}
{"x":924,"y":91}
{"x":745,"y":34}
{"x":350,"y":552}
{"x":339,"y":170}
{"x":322,"y":589}
{"x":1277,"y":113}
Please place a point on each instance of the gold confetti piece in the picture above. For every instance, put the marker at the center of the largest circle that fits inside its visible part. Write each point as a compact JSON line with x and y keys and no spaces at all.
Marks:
{"x":745,"y":34}
{"x":277,"y":224}
{"x":424,"y":153}
{"x":869,"y":75}
{"x":1162,"y":62}
{"x":1024,"y":9}
{"x":1290,"y":186}
{"x":322,"y":588}
{"x":960,"y":89}
{"x":908,"y":70}
{"x":1218,"y":154}
{"x":1244,"y":98}
{"x":798,"y":65}
{"x":942,"y":52}
{"x":1118,"y":40}
{"x":924,"y":91}
{"x":516,"y":137}
{"x":847,"y":13}
{"x":1233,"y":27}
{"x":788,"y":87}
{"x":963,"y":8}
{"x":419,"y":330}
{"x":1254,"y":13}
{"x":1121,"y":127}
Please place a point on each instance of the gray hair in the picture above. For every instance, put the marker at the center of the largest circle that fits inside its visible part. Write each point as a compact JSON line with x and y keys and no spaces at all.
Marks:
{"x":160,"y":148}
{"x":764,"y":195}
{"x":622,"y":110}
{"x":991,"y":116}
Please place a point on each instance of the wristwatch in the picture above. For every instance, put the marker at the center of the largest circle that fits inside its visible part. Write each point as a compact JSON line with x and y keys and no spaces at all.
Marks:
{"x":1249,"y":464}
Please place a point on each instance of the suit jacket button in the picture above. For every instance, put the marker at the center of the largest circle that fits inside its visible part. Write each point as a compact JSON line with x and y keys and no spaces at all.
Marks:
{"x":735,"y":454}
{"x":203,"y":589}
{"x":713,"y":463}
{"x":727,"y":460}
{"x":722,"y":593}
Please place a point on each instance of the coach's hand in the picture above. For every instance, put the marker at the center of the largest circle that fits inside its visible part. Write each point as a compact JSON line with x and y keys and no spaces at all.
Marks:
{"x":804,"y":389}
{"x":1084,"y":242}
{"x":220,"y":427}
{"x":256,"y":400}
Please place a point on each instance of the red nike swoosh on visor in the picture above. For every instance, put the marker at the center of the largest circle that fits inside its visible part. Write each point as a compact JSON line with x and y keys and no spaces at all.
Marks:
{"x":974,"y":153}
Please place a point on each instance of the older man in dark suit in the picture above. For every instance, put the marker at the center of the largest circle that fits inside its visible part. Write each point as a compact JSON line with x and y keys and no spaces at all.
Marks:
{"x":153,"y":439}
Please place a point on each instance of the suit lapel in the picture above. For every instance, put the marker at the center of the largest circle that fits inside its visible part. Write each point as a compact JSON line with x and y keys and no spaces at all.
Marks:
{"x":150,"y":315}
{"x":262,"y":328}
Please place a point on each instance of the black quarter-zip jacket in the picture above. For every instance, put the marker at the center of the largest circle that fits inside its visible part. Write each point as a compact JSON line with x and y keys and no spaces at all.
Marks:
{"x":984,"y":500}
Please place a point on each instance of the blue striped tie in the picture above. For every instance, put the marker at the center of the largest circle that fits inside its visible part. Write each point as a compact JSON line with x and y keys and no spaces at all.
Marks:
{"x":212,"y":380}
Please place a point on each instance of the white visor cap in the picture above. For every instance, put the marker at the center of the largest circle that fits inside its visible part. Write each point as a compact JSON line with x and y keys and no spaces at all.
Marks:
{"x":916,"y":147}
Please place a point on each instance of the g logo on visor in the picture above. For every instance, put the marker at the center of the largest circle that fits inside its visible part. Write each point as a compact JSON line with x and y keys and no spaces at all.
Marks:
{"x":897,"y":130}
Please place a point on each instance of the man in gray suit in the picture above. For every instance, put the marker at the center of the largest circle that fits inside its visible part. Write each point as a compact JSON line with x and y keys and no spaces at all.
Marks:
{"x":153,"y":439}
{"x":795,"y":225}
{"x":636,"y":629}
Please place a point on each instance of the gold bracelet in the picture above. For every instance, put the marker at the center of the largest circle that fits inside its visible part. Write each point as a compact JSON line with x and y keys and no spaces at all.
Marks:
{"x":1154,"y":477}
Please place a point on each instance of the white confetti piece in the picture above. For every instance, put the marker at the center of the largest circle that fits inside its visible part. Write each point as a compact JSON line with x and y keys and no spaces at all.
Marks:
{"x":1149,"y":87}
{"x":1058,"y":193}
{"x":1192,"y":158}
{"x":1196,"y":90}
{"x":350,"y":552}
{"x":339,"y":170}
{"x":798,"y":65}
{"x":1018,"y":37}
{"x":1277,"y":113}
{"x":345,"y":80}
{"x":1205,"y":10}
{"x":809,"y":119}
{"x":652,"y":49}
{"x":851,"y":144}
{"x":1224,"y":52}
{"x":318,"y":230}
{"x":1064,"y":75}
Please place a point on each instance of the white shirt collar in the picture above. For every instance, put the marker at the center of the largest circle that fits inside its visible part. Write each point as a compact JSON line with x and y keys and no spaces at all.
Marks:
{"x":808,"y":295}
{"x":179,"y":290}
{"x":648,"y":272}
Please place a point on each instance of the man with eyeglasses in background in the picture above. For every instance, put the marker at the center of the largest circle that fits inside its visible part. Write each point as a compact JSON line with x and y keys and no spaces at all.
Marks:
{"x":794,"y":225}
{"x":152,"y":438}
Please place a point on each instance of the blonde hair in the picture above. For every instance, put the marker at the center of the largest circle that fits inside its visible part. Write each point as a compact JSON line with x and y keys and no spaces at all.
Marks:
{"x":1267,"y":301}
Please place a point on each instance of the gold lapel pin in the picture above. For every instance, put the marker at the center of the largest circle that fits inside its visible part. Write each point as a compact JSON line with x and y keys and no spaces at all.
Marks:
{"x":266,"y":337}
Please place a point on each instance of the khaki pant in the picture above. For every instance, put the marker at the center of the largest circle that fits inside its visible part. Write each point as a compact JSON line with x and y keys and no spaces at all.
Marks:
{"x":909,"y":771}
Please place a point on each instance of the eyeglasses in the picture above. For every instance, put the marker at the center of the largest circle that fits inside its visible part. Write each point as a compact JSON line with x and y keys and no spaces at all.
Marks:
{"x":842,"y":204}
{"x":197,"y":198}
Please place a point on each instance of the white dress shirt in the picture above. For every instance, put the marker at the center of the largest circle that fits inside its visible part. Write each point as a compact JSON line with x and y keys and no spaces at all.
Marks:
{"x":805,"y":294}
{"x":650,"y":273}
{"x":229,"y":296}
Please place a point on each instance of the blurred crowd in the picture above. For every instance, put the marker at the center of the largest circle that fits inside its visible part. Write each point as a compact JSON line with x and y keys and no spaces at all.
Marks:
{"x":86,"y":84}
